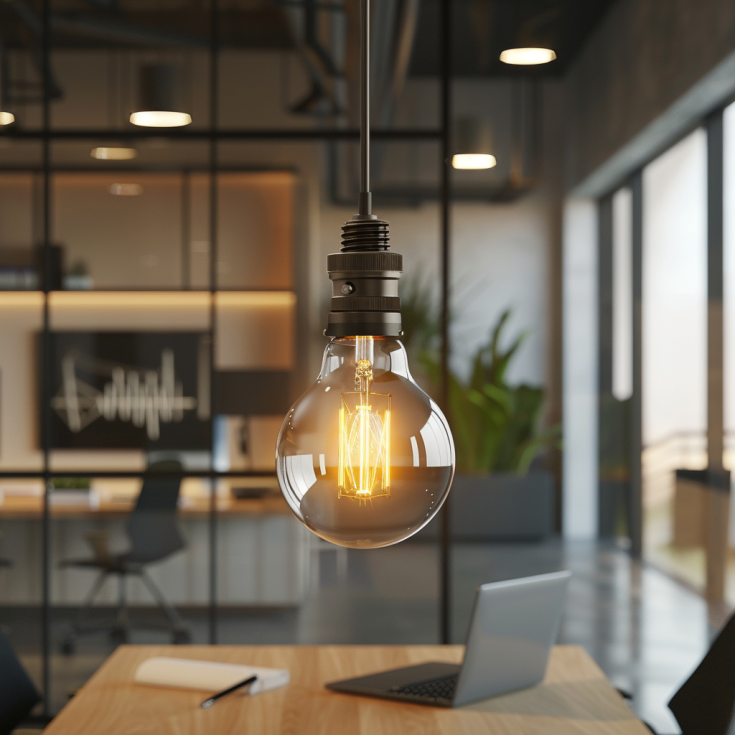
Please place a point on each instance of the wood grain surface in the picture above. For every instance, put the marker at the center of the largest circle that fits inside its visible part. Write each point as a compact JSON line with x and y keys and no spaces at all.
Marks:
{"x":574,"y":698}
{"x":31,"y":508}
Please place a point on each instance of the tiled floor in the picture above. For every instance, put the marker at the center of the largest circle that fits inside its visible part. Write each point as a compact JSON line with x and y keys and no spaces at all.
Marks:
{"x":646,"y":631}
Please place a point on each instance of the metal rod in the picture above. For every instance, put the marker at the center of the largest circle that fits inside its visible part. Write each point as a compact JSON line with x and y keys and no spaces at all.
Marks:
{"x":446,"y":196}
{"x":365,"y":204}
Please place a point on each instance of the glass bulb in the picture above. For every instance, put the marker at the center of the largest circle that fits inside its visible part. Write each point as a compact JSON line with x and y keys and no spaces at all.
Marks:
{"x":365,"y":458}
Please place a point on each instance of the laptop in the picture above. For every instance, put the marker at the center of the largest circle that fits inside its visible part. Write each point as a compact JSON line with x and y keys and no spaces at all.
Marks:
{"x":514,"y":624}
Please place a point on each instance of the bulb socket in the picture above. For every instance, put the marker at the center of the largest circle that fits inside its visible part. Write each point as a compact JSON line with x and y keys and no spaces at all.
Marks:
{"x":365,"y":282}
{"x":365,"y":234}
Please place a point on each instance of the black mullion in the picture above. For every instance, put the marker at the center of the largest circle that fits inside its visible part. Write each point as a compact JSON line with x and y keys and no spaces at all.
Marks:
{"x":605,"y":293}
{"x":635,"y":489}
{"x":213,"y":173}
{"x":607,"y":507}
{"x":232,"y":134}
{"x":46,"y":357}
{"x":446,"y":100}
{"x":715,"y":291}
{"x":130,"y":474}
{"x":186,"y":230}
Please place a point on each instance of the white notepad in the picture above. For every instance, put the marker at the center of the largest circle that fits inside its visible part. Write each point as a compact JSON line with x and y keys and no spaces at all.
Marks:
{"x":206,"y":676}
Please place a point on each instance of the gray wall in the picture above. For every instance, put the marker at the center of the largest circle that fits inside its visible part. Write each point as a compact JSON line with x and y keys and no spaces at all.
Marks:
{"x":644,"y":56}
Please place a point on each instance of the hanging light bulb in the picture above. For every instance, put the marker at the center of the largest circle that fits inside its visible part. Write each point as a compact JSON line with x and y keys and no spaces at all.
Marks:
{"x":473,"y":144}
{"x":161,"y":94}
{"x":365,"y":458}
{"x":6,"y":118}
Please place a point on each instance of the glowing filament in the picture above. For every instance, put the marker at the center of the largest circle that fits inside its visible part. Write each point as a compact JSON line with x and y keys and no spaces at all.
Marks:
{"x":364,"y":433}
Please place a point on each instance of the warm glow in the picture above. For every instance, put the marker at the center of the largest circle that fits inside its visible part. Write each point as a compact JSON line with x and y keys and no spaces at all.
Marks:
{"x":238,"y":299}
{"x":364,"y":433}
{"x":6,"y":118}
{"x":126,"y":190}
{"x":527,"y":56}
{"x":473,"y":161}
{"x":21,"y":299}
{"x":126,"y":300}
{"x":116,"y":153}
{"x":160,"y":119}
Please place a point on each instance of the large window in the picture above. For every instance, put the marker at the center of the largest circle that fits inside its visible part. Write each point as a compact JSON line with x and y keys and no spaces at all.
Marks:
{"x":674,"y":356}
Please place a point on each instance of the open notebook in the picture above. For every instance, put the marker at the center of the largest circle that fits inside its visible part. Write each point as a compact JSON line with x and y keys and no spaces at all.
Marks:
{"x":206,"y":676}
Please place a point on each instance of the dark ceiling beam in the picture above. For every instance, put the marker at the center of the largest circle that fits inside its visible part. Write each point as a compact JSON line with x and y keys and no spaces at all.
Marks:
{"x":120,"y":31}
{"x":309,"y":134}
{"x":31,"y":22}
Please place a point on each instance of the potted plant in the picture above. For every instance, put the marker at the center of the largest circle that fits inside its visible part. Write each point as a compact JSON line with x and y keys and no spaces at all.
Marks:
{"x":496,"y":494}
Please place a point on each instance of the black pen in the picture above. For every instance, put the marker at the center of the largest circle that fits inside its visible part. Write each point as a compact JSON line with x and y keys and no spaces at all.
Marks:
{"x":209,"y":702}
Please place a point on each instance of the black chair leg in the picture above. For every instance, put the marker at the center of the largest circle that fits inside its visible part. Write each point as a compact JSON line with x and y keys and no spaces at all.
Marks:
{"x":121,"y":632}
{"x":180,"y":629}
{"x":77,"y":625}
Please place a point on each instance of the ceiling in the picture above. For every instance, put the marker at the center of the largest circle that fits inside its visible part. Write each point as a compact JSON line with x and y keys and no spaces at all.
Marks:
{"x":481,"y":28}
{"x":146,"y":24}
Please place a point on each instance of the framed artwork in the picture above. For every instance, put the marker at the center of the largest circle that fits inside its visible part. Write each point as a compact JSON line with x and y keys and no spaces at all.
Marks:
{"x":130,"y":390}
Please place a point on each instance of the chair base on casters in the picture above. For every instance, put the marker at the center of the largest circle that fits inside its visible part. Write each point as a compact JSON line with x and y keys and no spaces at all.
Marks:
{"x":119,"y":632}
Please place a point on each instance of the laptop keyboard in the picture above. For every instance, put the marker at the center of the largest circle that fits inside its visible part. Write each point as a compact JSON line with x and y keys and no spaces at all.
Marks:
{"x":433,"y":689}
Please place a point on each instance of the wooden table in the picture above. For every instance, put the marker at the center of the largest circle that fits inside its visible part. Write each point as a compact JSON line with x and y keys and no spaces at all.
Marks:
{"x":575,"y":698}
{"x":31,"y":508}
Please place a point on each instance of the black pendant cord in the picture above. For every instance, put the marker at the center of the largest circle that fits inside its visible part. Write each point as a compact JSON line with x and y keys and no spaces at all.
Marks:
{"x":364,"y":231}
{"x":365,"y":274}
{"x":365,"y":204}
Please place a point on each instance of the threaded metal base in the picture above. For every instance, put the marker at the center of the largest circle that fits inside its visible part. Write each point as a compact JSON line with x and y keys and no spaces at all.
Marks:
{"x":367,"y":234}
{"x":365,"y":281}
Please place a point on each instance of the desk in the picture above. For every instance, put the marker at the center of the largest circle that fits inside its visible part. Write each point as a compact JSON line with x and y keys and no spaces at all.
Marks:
{"x":115,"y":498}
{"x":574,"y":699}
{"x":263,"y":551}
{"x":31,"y":508}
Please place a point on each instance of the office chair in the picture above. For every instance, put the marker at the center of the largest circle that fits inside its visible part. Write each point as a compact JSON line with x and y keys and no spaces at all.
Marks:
{"x":5,"y":562}
{"x":154,"y":535}
{"x":18,"y":695}
{"x":705,"y":702}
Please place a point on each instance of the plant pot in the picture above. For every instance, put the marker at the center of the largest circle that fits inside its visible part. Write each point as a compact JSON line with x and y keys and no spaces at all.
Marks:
{"x":498,"y":507}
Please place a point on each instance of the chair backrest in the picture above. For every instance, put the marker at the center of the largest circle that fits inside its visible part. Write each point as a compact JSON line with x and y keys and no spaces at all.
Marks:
{"x":152,"y":526}
{"x":705,"y":702}
{"x":18,"y":696}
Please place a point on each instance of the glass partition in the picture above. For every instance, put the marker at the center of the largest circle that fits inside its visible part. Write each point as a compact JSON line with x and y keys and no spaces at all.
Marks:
{"x":675,"y":355}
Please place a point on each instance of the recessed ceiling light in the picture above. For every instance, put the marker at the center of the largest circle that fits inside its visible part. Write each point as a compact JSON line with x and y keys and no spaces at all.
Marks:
{"x":6,"y":118}
{"x":473,"y":161}
{"x":161,"y":97}
{"x":113,"y":153}
{"x":126,"y":190}
{"x":160,"y":119}
{"x":527,"y":56}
